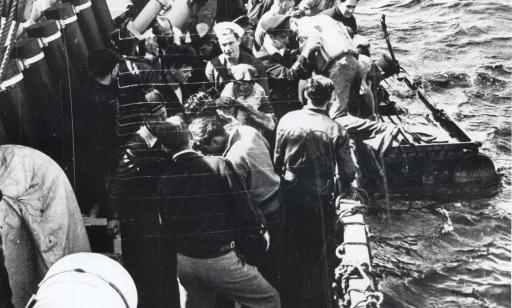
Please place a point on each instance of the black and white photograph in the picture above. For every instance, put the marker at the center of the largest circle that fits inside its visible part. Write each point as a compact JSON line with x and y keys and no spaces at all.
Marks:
{"x":255,"y":154}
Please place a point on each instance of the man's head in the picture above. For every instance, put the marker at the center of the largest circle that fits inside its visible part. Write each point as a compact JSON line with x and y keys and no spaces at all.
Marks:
{"x":208,"y":47}
{"x":156,"y":111}
{"x":172,"y":134}
{"x":209,"y":135}
{"x":200,"y":104}
{"x":103,"y":63}
{"x":318,"y":90}
{"x":278,"y":29}
{"x":229,"y":36}
{"x":178,"y":65}
{"x":347,"y":7}
{"x":244,"y":76}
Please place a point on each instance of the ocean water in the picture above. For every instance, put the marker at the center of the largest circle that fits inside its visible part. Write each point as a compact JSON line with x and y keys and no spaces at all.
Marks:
{"x":462,"y":53}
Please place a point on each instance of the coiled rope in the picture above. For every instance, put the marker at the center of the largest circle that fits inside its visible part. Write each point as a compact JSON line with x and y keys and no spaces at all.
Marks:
{"x":4,"y":33}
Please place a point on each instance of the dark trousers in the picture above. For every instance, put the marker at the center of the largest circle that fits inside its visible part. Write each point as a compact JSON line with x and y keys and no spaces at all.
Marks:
{"x":272,"y":261}
{"x":149,"y":255}
{"x":306,"y":273}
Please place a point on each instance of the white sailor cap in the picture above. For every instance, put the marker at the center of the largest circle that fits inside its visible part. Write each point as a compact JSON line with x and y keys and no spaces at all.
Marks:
{"x":223,"y":28}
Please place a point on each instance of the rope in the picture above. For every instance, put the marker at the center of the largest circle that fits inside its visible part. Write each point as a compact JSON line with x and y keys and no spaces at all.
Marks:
{"x":73,"y":146}
{"x":348,"y":268}
{"x":2,"y":3}
{"x":373,"y":299}
{"x":380,"y":164}
{"x":5,"y":32}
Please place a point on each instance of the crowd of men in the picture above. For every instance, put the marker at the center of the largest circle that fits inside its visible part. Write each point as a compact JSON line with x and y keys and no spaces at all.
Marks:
{"x":218,"y":154}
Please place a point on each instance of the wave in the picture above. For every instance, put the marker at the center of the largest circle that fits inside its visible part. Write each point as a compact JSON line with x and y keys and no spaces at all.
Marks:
{"x":461,"y":52}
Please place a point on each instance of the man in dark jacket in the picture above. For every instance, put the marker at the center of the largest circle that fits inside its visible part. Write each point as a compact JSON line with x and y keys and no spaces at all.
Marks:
{"x":178,"y":68}
{"x":311,"y":152}
{"x":204,"y":204}
{"x":95,"y":118}
{"x":343,"y":12}
{"x":248,"y":151}
{"x":149,"y":257}
{"x":284,"y":68}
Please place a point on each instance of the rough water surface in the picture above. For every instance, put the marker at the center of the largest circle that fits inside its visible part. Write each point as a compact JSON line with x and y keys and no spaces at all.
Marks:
{"x":461,"y":51}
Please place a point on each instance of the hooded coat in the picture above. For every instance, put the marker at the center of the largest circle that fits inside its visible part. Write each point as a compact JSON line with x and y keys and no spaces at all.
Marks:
{"x":40,"y":221}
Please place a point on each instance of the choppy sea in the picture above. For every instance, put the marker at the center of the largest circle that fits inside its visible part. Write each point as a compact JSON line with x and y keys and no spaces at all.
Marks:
{"x":462,"y":53}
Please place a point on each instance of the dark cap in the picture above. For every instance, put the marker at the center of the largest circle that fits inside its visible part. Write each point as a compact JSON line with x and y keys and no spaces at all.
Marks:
{"x":275,"y":23}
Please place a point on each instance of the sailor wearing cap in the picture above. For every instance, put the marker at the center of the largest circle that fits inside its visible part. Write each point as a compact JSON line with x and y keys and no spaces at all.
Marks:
{"x":283,"y":68}
{"x":254,"y":106}
{"x":218,"y":69}
{"x":279,"y":7}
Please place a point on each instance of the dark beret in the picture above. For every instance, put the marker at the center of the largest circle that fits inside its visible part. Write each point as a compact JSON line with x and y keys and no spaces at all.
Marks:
{"x":279,"y":22}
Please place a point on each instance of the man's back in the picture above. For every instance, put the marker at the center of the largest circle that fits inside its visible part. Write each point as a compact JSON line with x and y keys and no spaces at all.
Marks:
{"x":204,"y":203}
{"x":308,"y":146}
{"x":249,"y":152}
